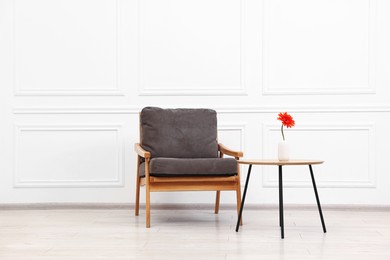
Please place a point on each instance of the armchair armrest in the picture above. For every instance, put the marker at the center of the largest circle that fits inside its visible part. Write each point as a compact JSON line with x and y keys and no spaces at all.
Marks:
{"x":141,"y":152}
{"x":224,"y":150}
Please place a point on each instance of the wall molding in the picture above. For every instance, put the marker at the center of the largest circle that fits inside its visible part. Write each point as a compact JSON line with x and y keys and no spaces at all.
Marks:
{"x":370,"y":88}
{"x":228,"y":110}
{"x":118,"y":181}
{"x":194,"y":91}
{"x":370,"y":182}
{"x":116,"y":90}
{"x":76,"y":110}
{"x":69,"y":92}
{"x":186,"y":206}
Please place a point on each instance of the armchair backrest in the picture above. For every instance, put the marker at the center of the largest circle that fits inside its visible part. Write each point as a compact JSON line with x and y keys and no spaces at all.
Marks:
{"x":179,"y":133}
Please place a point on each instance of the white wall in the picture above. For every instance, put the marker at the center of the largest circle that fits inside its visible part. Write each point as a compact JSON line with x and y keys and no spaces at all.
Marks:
{"x":75,"y":73}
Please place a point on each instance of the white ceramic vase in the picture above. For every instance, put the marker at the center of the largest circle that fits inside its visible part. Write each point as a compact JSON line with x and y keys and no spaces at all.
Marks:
{"x":283,"y":151}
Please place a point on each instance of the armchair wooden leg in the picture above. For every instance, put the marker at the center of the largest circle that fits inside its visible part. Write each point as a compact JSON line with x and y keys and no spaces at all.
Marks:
{"x":147,"y":207}
{"x":217,"y":198}
{"x":238,"y":195}
{"x":137,"y":187}
{"x":137,"y":191}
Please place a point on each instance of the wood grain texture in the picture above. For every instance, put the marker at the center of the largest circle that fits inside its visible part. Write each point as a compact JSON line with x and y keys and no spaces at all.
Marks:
{"x":201,"y":183}
{"x":277,"y":162}
{"x":182,"y":233}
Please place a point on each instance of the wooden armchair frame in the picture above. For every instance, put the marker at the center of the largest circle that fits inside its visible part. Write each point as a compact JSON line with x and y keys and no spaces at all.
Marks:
{"x":201,"y":183}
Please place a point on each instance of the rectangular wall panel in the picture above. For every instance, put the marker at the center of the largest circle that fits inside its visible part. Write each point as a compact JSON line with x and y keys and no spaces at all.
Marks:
{"x":68,"y":156}
{"x":319,"y":47}
{"x":66,"y":47}
{"x":191,"y":47}
{"x":348,"y":152}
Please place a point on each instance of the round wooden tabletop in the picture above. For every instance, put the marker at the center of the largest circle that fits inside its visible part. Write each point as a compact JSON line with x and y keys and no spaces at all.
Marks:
{"x":277,"y":162}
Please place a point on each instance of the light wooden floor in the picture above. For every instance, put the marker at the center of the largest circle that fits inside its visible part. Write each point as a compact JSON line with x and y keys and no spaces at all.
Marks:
{"x":115,"y":233}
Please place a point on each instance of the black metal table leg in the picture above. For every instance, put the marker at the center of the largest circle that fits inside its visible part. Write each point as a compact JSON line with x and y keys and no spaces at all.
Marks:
{"x":243,"y":197}
{"x":281,"y":218}
{"x":317,"y":198}
{"x":280,"y":202}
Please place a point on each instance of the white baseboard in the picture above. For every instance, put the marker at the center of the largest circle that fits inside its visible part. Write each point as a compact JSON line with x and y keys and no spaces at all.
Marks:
{"x":130,"y":206}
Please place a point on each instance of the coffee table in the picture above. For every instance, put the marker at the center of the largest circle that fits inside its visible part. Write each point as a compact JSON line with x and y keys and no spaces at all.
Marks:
{"x":280,"y":165}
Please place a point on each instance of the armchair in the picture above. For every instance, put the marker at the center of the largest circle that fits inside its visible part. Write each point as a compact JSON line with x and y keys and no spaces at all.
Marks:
{"x":178,"y":151}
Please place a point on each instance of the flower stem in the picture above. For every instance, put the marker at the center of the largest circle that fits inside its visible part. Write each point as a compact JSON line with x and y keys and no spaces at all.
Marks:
{"x":282,"y":133}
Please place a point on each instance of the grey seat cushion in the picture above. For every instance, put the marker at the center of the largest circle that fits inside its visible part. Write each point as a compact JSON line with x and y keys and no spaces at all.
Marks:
{"x":179,"y":133}
{"x":179,"y":167}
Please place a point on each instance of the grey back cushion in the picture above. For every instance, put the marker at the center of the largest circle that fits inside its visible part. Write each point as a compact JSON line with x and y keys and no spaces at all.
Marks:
{"x":179,"y":133}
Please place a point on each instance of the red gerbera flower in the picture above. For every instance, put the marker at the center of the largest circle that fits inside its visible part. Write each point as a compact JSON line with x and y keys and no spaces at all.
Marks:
{"x":287,"y":121}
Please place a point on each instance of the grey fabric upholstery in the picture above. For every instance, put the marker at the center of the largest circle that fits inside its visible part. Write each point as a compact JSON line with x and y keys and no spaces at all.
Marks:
{"x":180,"y":167}
{"x":183,"y":142}
{"x":179,"y":133}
